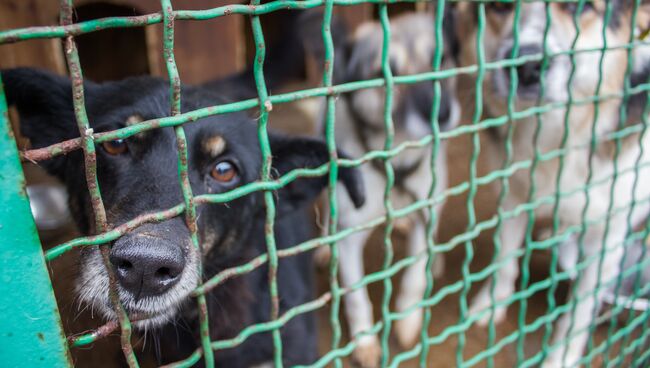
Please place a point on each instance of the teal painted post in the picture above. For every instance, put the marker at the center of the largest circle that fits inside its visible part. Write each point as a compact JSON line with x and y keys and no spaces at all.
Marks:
{"x":30,"y":328}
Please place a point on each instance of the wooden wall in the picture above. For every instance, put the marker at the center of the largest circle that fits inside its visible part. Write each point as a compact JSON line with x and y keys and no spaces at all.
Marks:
{"x":38,"y":53}
{"x":204,"y":50}
{"x":111,"y":54}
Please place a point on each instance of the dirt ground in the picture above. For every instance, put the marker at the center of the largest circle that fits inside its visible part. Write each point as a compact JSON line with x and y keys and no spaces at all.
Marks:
{"x":445,"y":313}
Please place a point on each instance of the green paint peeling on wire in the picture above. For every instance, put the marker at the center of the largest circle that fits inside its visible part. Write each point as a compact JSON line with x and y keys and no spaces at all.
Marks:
{"x":181,"y":144}
{"x":90,"y":165}
{"x":431,"y":221}
{"x":631,"y":351}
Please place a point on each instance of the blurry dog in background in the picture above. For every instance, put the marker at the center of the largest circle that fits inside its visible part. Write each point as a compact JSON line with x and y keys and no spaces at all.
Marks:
{"x":587,"y":173}
{"x":359,"y":130}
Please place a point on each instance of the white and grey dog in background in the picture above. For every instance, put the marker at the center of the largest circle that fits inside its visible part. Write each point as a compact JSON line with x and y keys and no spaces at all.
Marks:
{"x":607,"y":182}
{"x":360,"y":129}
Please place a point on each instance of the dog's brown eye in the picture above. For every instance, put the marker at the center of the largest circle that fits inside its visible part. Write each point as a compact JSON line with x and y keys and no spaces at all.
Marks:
{"x":224,"y":172}
{"x":500,"y":7}
{"x":116,"y":147}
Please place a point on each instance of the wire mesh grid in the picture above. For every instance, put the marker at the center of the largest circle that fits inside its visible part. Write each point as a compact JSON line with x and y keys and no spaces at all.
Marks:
{"x":634,"y":348}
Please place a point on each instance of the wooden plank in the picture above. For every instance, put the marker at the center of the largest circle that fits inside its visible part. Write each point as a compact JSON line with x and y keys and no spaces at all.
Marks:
{"x":204,"y":50}
{"x":44,"y":54}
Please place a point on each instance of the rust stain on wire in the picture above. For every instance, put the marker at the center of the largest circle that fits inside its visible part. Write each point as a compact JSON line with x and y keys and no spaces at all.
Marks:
{"x":90,"y":161}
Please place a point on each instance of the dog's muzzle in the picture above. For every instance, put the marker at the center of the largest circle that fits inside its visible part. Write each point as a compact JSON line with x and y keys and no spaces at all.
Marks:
{"x":146,"y":263}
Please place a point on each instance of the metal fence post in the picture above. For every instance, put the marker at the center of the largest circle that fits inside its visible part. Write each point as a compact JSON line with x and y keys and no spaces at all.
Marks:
{"x":30,"y":333}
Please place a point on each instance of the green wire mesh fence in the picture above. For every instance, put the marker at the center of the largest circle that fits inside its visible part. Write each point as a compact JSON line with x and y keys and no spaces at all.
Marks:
{"x":630,"y":333}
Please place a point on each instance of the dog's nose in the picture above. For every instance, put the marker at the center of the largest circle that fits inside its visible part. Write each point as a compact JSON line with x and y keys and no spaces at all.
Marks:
{"x":529,"y":73}
{"x":146,"y":266}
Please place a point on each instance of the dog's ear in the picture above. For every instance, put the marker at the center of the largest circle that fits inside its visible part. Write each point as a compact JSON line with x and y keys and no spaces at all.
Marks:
{"x":294,"y":153}
{"x":44,"y":104}
{"x":361,"y":51}
{"x":309,"y":27}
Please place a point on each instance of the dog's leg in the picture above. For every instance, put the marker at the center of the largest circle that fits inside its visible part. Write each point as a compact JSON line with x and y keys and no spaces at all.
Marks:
{"x":512,"y":237}
{"x":412,"y":288}
{"x":358,"y":308}
{"x":586,"y":297}
{"x":414,"y":280}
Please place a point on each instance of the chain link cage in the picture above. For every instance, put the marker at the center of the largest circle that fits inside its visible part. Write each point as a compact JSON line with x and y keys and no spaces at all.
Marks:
{"x":31,"y":332}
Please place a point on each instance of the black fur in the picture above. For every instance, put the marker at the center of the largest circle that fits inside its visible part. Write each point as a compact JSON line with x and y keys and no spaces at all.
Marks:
{"x":145,"y":179}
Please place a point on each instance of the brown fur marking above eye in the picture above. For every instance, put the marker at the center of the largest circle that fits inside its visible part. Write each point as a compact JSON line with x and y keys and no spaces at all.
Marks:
{"x":133,"y":120}
{"x":214,"y":145}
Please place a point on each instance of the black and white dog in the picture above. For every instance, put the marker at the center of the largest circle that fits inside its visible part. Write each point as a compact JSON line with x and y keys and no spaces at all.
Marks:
{"x":360,"y":129}
{"x":156,"y":264}
{"x":598,"y":183}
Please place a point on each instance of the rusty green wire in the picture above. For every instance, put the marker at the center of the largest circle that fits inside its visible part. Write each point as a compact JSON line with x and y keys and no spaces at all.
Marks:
{"x":432,"y":219}
{"x":181,"y":145}
{"x":637,"y":279}
{"x":505,"y":184}
{"x":619,"y":125}
{"x":550,"y":295}
{"x":630,"y":57}
{"x":389,"y":130}
{"x":474,"y":228}
{"x":265,"y":106}
{"x":476,"y":150}
{"x":90,"y":166}
{"x":330,"y":137}
{"x":622,"y":115}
